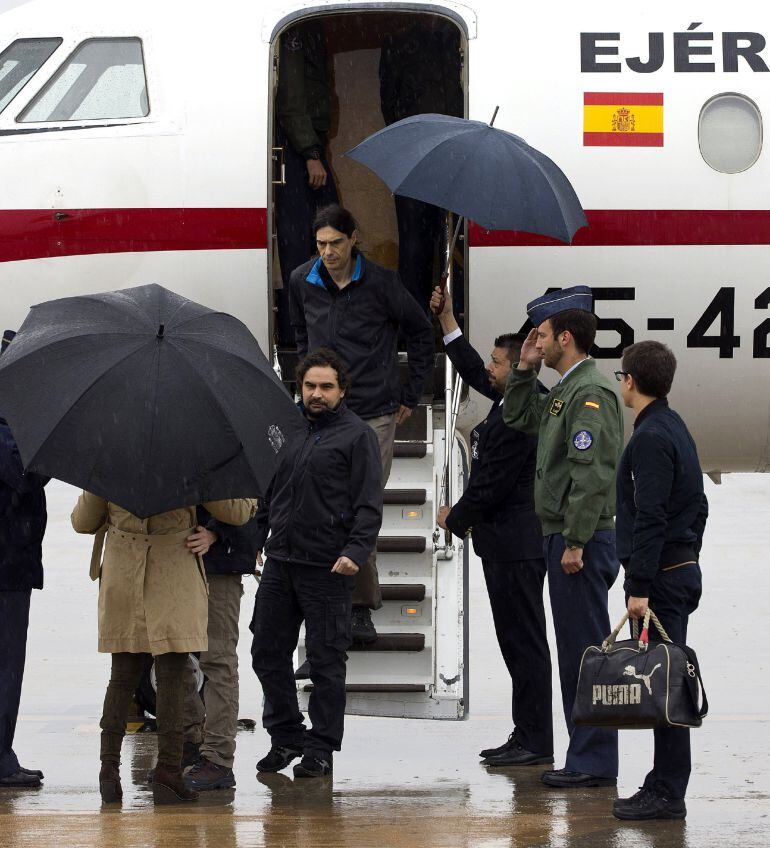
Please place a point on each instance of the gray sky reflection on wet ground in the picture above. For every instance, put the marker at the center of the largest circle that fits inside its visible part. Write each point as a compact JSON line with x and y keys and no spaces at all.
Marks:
{"x":403,"y":782}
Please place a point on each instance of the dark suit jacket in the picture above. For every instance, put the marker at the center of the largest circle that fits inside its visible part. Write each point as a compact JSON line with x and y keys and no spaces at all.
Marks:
{"x":499,"y":503}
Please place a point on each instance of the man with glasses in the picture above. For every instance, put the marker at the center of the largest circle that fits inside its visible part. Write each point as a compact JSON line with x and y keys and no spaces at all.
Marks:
{"x":580,"y":429}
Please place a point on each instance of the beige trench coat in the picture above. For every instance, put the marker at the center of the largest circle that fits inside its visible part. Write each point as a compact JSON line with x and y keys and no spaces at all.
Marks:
{"x":153,"y":594}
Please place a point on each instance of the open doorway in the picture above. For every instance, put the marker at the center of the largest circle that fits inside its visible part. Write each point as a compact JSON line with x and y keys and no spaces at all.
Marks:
{"x":337,"y":79}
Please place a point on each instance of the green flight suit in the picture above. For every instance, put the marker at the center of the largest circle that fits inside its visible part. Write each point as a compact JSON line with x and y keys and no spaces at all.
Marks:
{"x":580,"y":438}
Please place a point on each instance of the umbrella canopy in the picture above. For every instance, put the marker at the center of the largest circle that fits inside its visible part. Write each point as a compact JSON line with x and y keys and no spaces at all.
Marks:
{"x":473,"y":169}
{"x":146,"y":398}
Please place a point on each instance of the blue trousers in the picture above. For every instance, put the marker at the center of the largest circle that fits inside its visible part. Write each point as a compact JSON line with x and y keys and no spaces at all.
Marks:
{"x":674,"y":595}
{"x":14,"y":620}
{"x":580,"y":619}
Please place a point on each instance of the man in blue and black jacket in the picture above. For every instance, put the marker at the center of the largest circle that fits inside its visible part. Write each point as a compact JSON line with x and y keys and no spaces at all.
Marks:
{"x":661,"y":516}
{"x":22,"y":525}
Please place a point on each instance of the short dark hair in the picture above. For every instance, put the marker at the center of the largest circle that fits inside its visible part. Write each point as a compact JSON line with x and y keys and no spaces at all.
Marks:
{"x":652,"y":365}
{"x":512,"y":343}
{"x":579,"y":323}
{"x":323,"y":358}
{"x":336,"y":217}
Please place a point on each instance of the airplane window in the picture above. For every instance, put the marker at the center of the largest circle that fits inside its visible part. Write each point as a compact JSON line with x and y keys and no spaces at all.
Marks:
{"x":730,"y":133}
{"x":103,"y":79}
{"x":20,"y":61}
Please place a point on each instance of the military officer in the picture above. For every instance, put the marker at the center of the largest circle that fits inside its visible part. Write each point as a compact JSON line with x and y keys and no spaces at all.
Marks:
{"x":580,"y":429}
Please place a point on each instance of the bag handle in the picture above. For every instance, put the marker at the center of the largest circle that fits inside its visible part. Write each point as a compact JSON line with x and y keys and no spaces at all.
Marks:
{"x":644,"y":637}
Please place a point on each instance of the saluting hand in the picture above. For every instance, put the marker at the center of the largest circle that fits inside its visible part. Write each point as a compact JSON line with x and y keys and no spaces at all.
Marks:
{"x":345,"y":565}
{"x":530,"y":356}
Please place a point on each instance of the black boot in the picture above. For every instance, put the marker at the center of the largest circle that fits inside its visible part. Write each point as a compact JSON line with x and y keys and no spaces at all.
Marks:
{"x":168,"y":786}
{"x":109,"y":782}
{"x":362,"y":628}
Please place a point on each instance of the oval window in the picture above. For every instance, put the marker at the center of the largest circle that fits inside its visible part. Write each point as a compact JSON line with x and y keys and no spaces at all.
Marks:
{"x":730,"y":133}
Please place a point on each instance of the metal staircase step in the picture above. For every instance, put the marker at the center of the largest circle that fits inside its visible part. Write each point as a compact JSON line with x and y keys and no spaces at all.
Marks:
{"x":401,"y":544}
{"x":411,"y":642}
{"x":403,"y":592}
{"x":377,"y":687}
{"x":395,"y":497}
{"x":410,"y":450}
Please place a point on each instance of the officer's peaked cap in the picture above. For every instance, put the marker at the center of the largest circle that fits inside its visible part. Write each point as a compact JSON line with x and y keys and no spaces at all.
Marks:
{"x":7,"y":339}
{"x":547,"y":305}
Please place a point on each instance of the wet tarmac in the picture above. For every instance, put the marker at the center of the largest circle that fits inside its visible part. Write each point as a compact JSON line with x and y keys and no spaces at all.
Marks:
{"x":403,"y":783}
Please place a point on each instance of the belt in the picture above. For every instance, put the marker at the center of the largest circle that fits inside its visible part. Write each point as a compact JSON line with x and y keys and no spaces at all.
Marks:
{"x":154,"y":540}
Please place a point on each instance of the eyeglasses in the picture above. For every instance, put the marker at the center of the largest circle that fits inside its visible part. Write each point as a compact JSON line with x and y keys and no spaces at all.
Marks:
{"x":619,"y":375}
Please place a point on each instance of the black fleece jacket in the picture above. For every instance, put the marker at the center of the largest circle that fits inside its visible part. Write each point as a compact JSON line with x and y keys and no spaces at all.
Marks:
{"x":661,"y":505}
{"x":361,"y":323}
{"x":325,"y":500}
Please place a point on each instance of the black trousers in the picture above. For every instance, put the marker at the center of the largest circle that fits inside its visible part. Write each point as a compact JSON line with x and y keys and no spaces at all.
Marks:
{"x":516,"y":597}
{"x":419,"y":227}
{"x":674,"y":596}
{"x":287,"y":595}
{"x":14,"y":620}
{"x":296,"y":204}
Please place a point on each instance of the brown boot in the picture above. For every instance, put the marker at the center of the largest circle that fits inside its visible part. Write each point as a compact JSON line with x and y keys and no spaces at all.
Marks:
{"x":168,"y":786}
{"x":109,"y":782}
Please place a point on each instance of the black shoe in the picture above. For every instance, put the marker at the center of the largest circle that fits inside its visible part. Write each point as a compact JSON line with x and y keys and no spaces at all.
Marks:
{"x":35,"y":772}
{"x":205,"y":775}
{"x":278,"y":758}
{"x":648,"y":803}
{"x":191,"y":753}
{"x":518,"y":755}
{"x":311,"y":766}
{"x":20,"y":780}
{"x":303,"y":672}
{"x":565,"y":779}
{"x":362,"y":629}
{"x":501,"y":749}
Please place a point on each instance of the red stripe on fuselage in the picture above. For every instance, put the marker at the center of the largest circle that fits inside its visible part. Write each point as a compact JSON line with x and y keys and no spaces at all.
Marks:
{"x":622,"y":98}
{"x":45,"y":233}
{"x":643,"y":227}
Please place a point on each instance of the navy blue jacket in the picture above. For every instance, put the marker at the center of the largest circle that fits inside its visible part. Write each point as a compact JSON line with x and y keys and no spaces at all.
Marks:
{"x":499,"y":502}
{"x":361,"y":323}
{"x":661,"y":505}
{"x":22,"y":519}
{"x":325,"y":500}
{"x":235,"y":551}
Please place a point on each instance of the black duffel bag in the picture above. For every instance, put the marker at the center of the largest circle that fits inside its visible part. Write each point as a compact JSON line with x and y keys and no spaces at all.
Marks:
{"x":639,"y":684}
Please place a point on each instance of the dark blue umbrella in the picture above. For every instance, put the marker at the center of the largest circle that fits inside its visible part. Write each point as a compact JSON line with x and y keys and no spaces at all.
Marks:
{"x":145,"y":398}
{"x":477,"y":171}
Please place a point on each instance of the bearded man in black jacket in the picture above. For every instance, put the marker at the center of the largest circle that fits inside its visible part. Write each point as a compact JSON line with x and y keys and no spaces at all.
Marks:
{"x":499,"y":505}
{"x":323,"y":511}
{"x":661,"y":516}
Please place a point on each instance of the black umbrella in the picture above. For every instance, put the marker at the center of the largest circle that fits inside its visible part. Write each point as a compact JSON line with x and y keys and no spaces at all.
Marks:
{"x":475,"y":170}
{"x":145,"y":398}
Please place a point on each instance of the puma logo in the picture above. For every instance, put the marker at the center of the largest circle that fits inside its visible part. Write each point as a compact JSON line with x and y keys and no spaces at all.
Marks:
{"x":630,"y":671}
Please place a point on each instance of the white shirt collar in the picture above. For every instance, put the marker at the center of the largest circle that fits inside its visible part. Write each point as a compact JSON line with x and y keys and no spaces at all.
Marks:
{"x":570,"y":370}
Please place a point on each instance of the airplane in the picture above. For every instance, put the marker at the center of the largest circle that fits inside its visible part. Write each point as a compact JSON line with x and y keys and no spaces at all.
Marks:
{"x":140,"y":144}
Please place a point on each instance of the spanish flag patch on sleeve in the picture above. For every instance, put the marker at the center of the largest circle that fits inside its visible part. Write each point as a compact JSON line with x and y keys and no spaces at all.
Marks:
{"x":592,"y":404}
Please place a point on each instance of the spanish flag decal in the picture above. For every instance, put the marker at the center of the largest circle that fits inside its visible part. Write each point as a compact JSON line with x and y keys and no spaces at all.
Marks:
{"x":592,"y":404}
{"x":616,"y":119}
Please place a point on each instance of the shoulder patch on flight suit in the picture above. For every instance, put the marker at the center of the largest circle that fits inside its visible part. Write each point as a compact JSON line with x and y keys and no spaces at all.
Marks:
{"x":556,"y":407}
{"x":582,"y":440}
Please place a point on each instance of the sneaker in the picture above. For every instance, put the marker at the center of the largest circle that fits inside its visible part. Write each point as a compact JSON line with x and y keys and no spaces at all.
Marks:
{"x":311,"y":766}
{"x":278,"y":758}
{"x":501,"y":749}
{"x":362,"y":629}
{"x":649,"y":803}
{"x":518,"y":755}
{"x":205,"y":775}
